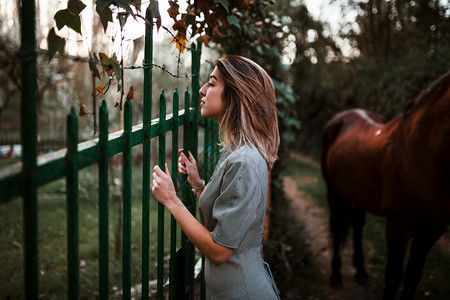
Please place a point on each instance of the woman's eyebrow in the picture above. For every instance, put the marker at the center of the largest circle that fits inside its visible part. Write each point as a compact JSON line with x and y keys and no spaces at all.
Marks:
{"x":213,"y":77}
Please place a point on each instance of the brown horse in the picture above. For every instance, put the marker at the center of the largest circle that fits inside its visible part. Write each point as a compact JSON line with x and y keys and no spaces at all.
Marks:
{"x":398,"y":169}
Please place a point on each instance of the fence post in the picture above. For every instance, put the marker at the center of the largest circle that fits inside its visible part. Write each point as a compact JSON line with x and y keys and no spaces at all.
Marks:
{"x":173,"y":287}
{"x":28,"y":129}
{"x":72,"y":205}
{"x":186,"y":198}
{"x":161,"y":162}
{"x":127,"y":180}
{"x":193,"y":146}
{"x":148,"y":60}
{"x":103,"y":195}
{"x":196,"y":53}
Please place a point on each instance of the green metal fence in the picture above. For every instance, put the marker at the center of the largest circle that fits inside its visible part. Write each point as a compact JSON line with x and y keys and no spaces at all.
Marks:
{"x":25,"y":178}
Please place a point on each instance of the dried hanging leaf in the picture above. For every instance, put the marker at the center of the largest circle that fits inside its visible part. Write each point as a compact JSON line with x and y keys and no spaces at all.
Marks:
{"x":173,"y":10}
{"x":83,"y":110}
{"x":100,"y":88}
{"x":205,"y":39}
{"x":180,"y":43}
{"x":130,"y":94}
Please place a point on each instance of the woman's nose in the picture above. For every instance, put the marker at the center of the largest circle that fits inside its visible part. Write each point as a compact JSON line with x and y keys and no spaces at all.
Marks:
{"x":202,"y":90}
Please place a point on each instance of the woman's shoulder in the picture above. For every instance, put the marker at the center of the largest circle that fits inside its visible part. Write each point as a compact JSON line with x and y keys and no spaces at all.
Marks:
{"x":248,"y":155}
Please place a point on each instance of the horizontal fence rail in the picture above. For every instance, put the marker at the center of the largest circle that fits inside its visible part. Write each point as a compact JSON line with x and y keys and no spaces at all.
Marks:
{"x":52,"y":166}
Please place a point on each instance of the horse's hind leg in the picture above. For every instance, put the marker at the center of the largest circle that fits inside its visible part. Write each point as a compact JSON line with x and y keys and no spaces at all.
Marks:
{"x":339,"y":223}
{"x":358,"y":219}
{"x":420,"y":247}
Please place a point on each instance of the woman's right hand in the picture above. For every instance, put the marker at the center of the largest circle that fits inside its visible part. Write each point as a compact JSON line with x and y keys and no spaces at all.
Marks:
{"x":188,"y":166}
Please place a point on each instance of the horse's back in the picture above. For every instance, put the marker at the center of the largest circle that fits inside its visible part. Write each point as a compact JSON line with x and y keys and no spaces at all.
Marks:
{"x":351,"y":153}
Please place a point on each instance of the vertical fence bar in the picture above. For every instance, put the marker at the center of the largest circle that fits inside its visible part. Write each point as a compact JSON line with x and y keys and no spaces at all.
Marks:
{"x":185,"y":197}
{"x":195,"y":93}
{"x":127,"y":174}
{"x":190,"y":250}
{"x":72,"y":205}
{"x":184,"y":184}
{"x":103,"y":201}
{"x":148,"y":60}
{"x":28,"y":130}
{"x":173,"y":223}
{"x":161,"y":162}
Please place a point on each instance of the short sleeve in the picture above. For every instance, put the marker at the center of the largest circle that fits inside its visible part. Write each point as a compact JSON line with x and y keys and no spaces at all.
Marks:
{"x":236,"y":207}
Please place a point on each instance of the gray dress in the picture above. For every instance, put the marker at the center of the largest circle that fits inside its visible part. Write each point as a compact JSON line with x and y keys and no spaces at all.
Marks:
{"x":232,"y":207}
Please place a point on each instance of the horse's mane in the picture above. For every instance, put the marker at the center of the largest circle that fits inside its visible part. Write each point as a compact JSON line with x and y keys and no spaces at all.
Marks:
{"x":436,"y":89}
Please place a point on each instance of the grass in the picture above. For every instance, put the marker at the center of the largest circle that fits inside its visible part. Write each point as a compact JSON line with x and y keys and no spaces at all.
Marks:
{"x":4,"y":162}
{"x":434,"y":283}
{"x":52,"y":238}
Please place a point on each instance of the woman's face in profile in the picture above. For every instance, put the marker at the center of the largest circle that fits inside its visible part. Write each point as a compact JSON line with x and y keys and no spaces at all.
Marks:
{"x":212,"y":104}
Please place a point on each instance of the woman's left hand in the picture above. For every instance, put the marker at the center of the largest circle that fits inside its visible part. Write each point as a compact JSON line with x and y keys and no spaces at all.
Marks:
{"x":163,"y":188}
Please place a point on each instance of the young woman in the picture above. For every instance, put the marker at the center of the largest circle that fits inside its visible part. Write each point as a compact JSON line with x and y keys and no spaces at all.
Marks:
{"x":240,"y":97}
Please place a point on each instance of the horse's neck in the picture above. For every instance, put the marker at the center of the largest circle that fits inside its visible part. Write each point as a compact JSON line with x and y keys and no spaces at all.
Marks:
{"x":428,"y":123}
{"x":432,"y":107}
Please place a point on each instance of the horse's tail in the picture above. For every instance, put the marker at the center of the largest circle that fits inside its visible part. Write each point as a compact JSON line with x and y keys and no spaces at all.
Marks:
{"x":330,"y":132}
{"x":340,"y":209}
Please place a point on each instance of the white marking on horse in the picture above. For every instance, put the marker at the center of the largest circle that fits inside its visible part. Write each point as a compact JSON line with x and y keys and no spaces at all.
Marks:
{"x":363,"y":114}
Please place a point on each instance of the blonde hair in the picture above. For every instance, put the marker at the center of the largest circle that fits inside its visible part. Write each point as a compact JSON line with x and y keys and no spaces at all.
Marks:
{"x":251,"y":116}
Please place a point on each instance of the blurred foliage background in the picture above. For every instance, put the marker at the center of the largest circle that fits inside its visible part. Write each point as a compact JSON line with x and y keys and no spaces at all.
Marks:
{"x":378,"y":55}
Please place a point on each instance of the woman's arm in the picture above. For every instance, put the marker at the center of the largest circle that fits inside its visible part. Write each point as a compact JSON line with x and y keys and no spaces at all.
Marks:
{"x":199,"y":235}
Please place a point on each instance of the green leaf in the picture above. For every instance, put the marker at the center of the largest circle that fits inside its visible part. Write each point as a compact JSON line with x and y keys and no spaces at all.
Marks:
{"x":55,"y":43}
{"x":103,"y":4}
{"x":259,"y":49}
{"x":105,"y":16}
{"x":122,"y":17}
{"x":125,"y":4}
{"x":93,"y":68}
{"x":65,"y":18}
{"x":137,"y":4}
{"x":76,"y":6}
{"x":224,"y":4}
{"x":116,"y":67}
{"x":233,"y":20}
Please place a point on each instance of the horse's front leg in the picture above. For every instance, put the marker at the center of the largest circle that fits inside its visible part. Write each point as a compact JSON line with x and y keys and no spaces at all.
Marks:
{"x":397,"y":237}
{"x":358,"y":220}
{"x":420,"y":247}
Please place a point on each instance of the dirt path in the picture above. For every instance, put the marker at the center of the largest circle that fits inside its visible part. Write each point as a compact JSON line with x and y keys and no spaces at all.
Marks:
{"x":315,"y":222}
